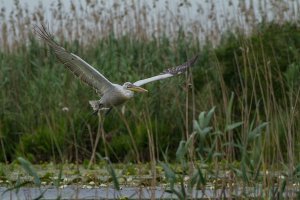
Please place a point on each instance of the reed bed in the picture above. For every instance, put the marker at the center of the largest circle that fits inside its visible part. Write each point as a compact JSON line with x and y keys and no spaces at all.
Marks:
{"x":246,"y":79}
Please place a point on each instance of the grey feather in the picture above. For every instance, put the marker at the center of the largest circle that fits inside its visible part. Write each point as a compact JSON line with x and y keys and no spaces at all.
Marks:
{"x":168,"y":72}
{"x":75,"y":64}
{"x":181,"y":68}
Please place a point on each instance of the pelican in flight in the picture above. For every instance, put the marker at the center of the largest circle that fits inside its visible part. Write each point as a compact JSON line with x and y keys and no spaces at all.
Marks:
{"x":111,"y":94}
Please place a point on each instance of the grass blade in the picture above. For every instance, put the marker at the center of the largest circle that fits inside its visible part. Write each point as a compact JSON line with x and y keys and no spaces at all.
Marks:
{"x":26,"y":165}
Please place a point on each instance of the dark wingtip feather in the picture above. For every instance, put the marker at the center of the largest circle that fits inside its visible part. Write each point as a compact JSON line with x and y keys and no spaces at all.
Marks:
{"x":181,"y":68}
{"x":192,"y":60}
{"x":43,"y":33}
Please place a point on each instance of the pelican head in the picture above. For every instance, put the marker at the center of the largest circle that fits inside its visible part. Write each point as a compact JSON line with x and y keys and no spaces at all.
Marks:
{"x":134,"y":88}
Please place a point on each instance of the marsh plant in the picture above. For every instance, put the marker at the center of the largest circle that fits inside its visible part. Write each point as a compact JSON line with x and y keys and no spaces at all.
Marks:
{"x":246,"y":77}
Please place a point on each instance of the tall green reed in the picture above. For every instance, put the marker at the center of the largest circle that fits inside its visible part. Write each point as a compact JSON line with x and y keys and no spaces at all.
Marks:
{"x":41,"y":100}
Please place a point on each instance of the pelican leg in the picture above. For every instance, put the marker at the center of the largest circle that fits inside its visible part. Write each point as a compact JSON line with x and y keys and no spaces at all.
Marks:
{"x":95,"y":112}
{"x":107,"y":112}
{"x":99,"y":110}
{"x":96,"y":105}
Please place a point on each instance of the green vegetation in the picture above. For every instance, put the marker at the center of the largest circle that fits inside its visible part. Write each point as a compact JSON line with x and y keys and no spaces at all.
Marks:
{"x":46,"y":116}
{"x":248,"y":84}
{"x":169,"y":177}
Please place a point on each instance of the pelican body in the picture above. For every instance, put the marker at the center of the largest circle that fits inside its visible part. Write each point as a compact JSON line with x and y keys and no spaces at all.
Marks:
{"x":116,"y":95}
{"x":111,"y":94}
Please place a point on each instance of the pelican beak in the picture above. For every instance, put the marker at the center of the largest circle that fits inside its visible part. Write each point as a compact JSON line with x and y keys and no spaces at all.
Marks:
{"x":136,"y":88}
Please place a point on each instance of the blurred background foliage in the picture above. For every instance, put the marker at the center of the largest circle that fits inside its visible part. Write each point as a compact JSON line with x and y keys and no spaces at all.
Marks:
{"x":45,"y":115}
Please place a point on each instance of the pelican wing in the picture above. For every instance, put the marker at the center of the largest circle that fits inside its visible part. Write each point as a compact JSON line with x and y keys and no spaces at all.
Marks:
{"x":168,"y":72}
{"x":75,"y":64}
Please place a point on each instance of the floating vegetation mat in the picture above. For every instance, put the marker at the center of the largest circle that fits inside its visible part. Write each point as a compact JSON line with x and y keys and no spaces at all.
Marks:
{"x":137,"y":181}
